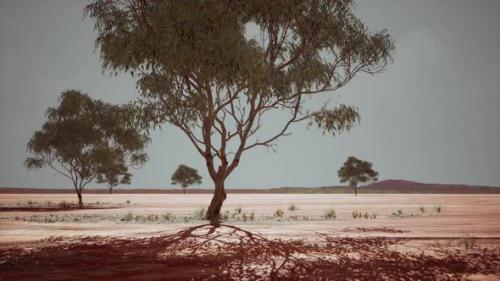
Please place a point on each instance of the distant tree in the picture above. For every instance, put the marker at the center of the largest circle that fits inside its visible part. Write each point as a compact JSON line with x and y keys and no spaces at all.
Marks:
{"x":200,"y":70}
{"x":185,"y":176}
{"x":115,"y":174}
{"x":356,"y":171}
{"x":86,"y":140}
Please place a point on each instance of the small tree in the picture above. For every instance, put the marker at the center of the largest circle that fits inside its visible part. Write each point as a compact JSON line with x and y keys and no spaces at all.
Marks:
{"x":115,"y":174}
{"x":356,"y":171}
{"x":185,"y":176}
{"x":86,"y":140}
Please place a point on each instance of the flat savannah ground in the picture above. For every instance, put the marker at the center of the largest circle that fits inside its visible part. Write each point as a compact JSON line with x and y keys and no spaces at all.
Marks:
{"x":267,"y":236}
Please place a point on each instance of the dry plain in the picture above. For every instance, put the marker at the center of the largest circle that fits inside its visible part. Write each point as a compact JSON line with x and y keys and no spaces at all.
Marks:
{"x":459,"y":234}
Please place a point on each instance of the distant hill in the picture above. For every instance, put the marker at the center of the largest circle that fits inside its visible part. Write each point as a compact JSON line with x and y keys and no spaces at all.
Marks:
{"x":381,"y":187}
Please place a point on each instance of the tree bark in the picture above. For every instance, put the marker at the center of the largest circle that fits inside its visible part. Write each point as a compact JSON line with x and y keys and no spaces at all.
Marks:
{"x":110,"y":190}
{"x":184,"y":190}
{"x":80,"y":201}
{"x":355,"y":185}
{"x":213,"y":212}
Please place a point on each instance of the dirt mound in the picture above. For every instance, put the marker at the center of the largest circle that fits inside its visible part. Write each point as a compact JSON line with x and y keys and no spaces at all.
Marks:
{"x":230,"y":253}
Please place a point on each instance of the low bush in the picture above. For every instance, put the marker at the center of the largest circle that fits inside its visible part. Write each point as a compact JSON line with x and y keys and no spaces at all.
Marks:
{"x":199,"y":214}
{"x":279,"y":213}
{"x":330,"y":214}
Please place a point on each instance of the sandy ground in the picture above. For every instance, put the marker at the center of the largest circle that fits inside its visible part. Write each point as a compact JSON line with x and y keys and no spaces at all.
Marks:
{"x":461,"y":215}
{"x":461,"y":242}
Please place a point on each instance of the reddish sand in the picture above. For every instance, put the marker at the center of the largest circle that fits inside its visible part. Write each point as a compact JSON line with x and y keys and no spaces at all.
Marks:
{"x":460,"y":241}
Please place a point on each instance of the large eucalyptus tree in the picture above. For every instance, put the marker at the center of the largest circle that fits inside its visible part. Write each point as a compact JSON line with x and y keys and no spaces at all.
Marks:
{"x":216,"y":68}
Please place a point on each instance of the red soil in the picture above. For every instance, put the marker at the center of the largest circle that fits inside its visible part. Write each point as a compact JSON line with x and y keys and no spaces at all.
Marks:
{"x":231,"y":253}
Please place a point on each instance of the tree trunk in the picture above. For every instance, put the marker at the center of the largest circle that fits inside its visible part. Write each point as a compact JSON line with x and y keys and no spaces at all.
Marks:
{"x":110,"y":190}
{"x":184,"y":190}
{"x":355,"y":185}
{"x":213,"y":212}
{"x":80,"y":202}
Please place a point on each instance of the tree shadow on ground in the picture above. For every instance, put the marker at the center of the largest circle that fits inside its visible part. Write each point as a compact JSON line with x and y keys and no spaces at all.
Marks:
{"x":228,"y":252}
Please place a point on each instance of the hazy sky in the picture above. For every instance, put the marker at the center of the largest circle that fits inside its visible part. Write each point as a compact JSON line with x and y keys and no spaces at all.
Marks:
{"x":433,"y":116}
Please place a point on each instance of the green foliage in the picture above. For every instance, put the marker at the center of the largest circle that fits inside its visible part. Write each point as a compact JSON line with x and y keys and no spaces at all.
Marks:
{"x":330,"y":214}
{"x":198,"y":69}
{"x":185,"y":176}
{"x":357,"y":171}
{"x":333,"y":121}
{"x":88,"y":140}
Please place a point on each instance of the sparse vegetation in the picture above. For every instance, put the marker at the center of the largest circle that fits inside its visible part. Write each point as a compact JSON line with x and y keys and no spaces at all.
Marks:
{"x":279,"y":213}
{"x":292,"y":208}
{"x":399,"y":213}
{"x":199,"y":214}
{"x":127,"y":217}
{"x":65,"y":205}
{"x":169,"y":217}
{"x":468,"y":243}
{"x":366,"y":215}
{"x":421,"y":209}
{"x":438,"y":209}
{"x":330,"y":214}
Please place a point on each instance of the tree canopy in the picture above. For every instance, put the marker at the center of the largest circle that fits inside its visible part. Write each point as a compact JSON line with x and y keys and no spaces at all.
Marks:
{"x":185,"y":176}
{"x":216,"y":69}
{"x":356,"y":171}
{"x":86,"y":140}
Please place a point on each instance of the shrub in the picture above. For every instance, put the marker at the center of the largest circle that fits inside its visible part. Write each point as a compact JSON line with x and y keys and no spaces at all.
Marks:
{"x":199,"y":214}
{"x":49,"y":203}
{"x":64,"y":205}
{"x":292,"y":208}
{"x":398,"y":213}
{"x":438,"y":209}
{"x":330,"y":214}
{"x":128,"y":217}
{"x":468,"y":243}
{"x":279,"y":213}
{"x":356,"y":214}
{"x":153,"y":218}
{"x":225,"y":215}
{"x":128,"y":202}
{"x":252,"y":216}
{"x":422,"y":209}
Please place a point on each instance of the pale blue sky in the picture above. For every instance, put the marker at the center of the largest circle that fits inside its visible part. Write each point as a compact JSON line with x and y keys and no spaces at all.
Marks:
{"x":433,"y":116}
